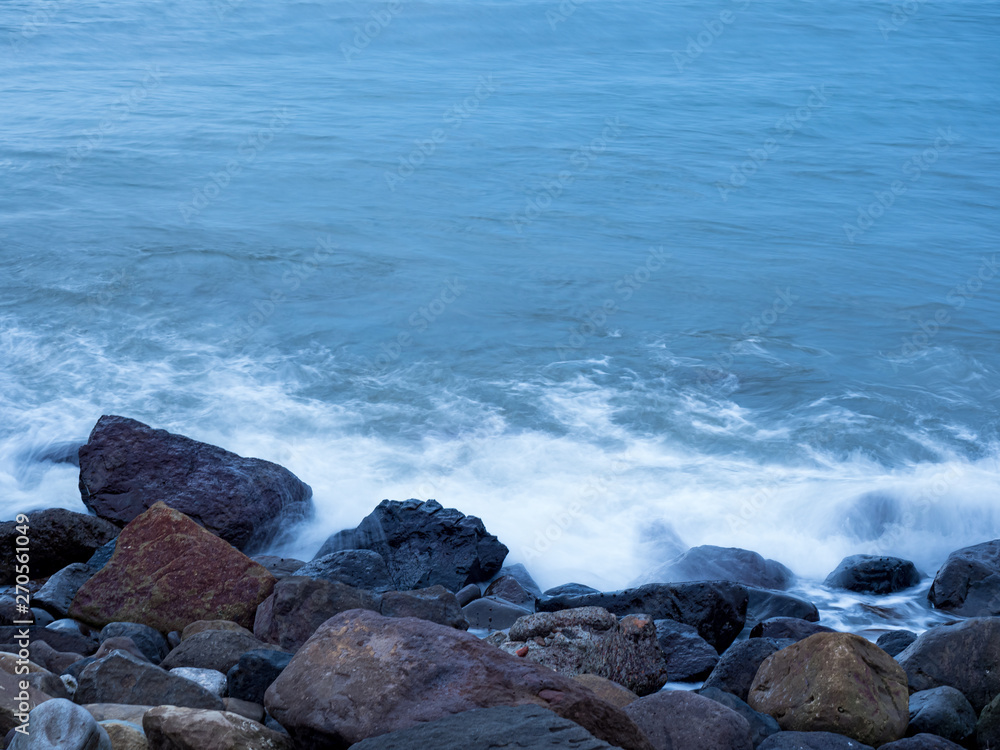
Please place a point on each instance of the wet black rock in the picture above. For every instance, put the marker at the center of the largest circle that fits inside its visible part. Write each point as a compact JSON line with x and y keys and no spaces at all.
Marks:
{"x":739,"y":664}
{"x":787,"y":627}
{"x":968,"y":583}
{"x":361,"y":568}
{"x":765,"y":604}
{"x":942,"y":711}
{"x":873,"y":574}
{"x":710,"y":563}
{"x":689,"y":657}
{"x":895,"y":641}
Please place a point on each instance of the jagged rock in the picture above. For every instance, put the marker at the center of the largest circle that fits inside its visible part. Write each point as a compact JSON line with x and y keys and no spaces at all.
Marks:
{"x":174,"y":728}
{"x":127,"y":467}
{"x":360,"y":568}
{"x":435,"y":603}
{"x":968,"y":583}
{"x":834,"y":682}
{"x":873,"y":574}
{"x":680,"y":720}
{"x":212,"y":649}
{"x":689,"y":657}
{"x":716,"y":608}
{"x":254,"y":672}
{"x":122,"y":678}
{"x":942,"y":711}
{"x":895,"y":641}
{"x":58,"y":538}
{"x":591,"y":640}
{"x":964,"y":655}
{"x":167,"y":572}
{"x":299,"y":605}
{"x":425,"y":544}
{"x":710,"y":563}
{"x":59,"y":724}
{"x":363,"y":675}
{"x":150,"y":641}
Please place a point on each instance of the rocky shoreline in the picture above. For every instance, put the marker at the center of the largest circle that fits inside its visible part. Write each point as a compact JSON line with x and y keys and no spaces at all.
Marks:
{"x":151,"y":623}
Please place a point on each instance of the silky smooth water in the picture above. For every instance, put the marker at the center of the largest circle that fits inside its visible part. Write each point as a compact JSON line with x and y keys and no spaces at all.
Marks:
{"x":617,"y":277}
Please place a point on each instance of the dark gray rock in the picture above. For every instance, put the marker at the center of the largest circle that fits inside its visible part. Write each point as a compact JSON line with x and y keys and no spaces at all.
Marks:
{"x":520,"y":574}
{"x":122,"y":678}
{"x":787,"y":627}
{"x":921,"y":742}
{"x":710,"y":563}
{"x":60,"y":640}
{"x":435,"y":604}
{"x":689,"y":657}
{"x":811,"y":741}
{"x":279,"y":567}
{"x":212,"y":649}
{"x":765,"y":604}
{"x":510,"y":590}
{"x":739,"y":664}
{"x":59,"y":724}
{"x":102,"y":555}
{"x":988,"y":726}
{"x":964,"y":655}
{"x":254,"y":672}
{"x":681,"y":720}
{"x":488,"y":613}
{"x":58,"y":592}
{"x":151,"y":642}
{"x":895,"y":641}
{"x":762,"y":726}
{"x":716,"y":608}
{"x":523,"y":727}
{"x":126,"y":467}
{"x":968,"y":583}
{"x":873,"y":574}
{"x":58,"y":538}
{"x":942,"y":711}
{"x":425,"y":544}
{"x":361,"y":568}
{"x":469,"y":594}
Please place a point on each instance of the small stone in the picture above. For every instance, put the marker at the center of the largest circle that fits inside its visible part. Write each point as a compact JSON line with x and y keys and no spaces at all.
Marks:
{"x":468,"y":594}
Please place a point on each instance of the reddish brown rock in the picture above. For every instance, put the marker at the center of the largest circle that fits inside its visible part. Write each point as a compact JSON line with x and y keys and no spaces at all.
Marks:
{"x":362,"y":675}
{"x":834,"y":682}
{"x":167,"y":572}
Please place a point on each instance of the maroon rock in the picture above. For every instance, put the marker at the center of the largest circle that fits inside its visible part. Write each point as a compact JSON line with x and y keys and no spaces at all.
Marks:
{"x":126,"y":467}
{"x":167,"y":572}
{"x":363,"y":675}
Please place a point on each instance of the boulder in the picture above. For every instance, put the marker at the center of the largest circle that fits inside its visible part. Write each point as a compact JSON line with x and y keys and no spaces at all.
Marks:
{"x":58,"y":538}
{"x":607,"y":690}
{"x":681,"y":720}
{"x":127,"y":467}
{"x":253,"y":674}
{"x":591,"y":640}
{"x":834,"y":682}
{"x":761,"y":725}
{"x":57,"y":594}
{"x":964,"y":655}
{"x":873,"y":574}
{"x":763,"y":604}
{"x":716,"y":608}
{"x":811,"y":741}
{"x":279,"y":567}
{"x":362,"y":675}
{"x":787,"y":627}
{"x":60,"y":724}
{"x":988,"y":726}
{"x":125,"y":735}
{"x":689,"y":657}
{"x":175,"y":728}
{"x":942,"y":711}
{"x":490,"y":613}
{"x":434,"y":603}
{"x":895,"y":641}
{"x":212,"y":649}
{"x":122,"y":678}
{"x":739,"y":664}
{"x":524,"y":727}
{"x":425,"y":544}
{"x":167,"y":572}
{"x":150,"y":641}
{"x":968,"y":583}
{"x":213,"y":681}
{"x":360,"y":568}
{"x":922,"y":742}
{"x":299,"y":605}
{"x":710,"y":563}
